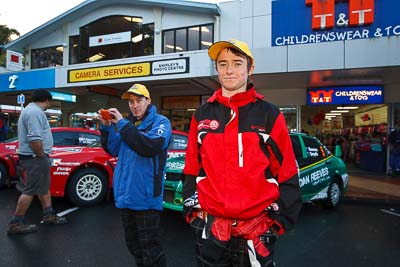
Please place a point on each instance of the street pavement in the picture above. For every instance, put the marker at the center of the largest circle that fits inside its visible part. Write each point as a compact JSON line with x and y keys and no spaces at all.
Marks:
{"x":373,"y":187}
{"x":354,"y":235}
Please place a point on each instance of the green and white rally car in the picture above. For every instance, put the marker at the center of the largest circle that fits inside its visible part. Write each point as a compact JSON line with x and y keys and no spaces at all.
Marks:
{"x":323,"y":176}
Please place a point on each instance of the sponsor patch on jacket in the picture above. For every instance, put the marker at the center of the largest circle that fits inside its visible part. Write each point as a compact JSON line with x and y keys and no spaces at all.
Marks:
{"x":161,"y":129}
{"x":208,"y":124}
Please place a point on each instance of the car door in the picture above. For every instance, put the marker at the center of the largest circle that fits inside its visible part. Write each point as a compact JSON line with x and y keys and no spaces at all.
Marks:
{"x":314,"y":169}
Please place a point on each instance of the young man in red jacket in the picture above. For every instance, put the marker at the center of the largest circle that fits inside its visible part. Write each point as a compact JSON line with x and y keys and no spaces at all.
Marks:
{"x":241,"y":185}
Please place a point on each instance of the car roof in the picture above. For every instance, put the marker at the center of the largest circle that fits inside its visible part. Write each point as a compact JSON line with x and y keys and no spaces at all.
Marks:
{"x":180,"y":132}
{"x":74,"y":129}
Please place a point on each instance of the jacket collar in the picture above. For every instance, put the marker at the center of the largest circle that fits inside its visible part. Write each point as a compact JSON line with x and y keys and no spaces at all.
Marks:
{"x":146,"y":120}
{"x":239,"y":99}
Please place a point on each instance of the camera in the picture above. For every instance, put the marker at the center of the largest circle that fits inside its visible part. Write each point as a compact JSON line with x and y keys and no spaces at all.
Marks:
{"x":105,"y":114}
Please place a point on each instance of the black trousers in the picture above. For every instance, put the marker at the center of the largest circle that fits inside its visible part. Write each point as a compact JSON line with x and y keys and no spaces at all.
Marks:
{"x":142,"y":236}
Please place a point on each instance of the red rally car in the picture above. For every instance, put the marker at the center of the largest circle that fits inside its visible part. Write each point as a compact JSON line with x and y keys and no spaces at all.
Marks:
{"x":62,"y":137}
{"x":84,"y":174}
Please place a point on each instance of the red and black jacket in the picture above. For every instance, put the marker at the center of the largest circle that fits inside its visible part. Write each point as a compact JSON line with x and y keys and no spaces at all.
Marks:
{"x":241,"y":156}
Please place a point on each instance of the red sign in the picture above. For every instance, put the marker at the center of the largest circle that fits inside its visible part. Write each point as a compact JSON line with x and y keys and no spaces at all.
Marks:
{"x":14,"y":61}
{"x":15,"y":58}
{"x":321,"y":96}
{"x":361,"y":12}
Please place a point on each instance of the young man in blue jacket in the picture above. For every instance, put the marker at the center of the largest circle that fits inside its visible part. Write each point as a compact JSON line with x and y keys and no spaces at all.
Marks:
{"x":140,"y":141}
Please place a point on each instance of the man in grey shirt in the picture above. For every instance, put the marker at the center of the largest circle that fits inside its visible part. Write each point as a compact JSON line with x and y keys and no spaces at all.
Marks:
{"x":35,"y":144}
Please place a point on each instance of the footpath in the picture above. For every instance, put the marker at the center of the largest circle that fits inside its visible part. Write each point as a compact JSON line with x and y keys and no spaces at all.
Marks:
{"x":372,"y":187}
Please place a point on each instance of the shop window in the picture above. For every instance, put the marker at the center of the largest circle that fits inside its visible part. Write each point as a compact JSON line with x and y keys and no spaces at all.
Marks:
{"x":47,"y":57}
{"x":290,"y":114}
{"x":112,"y":37}
{"x":188,"y":38}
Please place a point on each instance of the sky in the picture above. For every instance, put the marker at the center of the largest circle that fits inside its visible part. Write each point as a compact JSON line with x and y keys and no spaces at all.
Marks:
{"x":26,"y":15}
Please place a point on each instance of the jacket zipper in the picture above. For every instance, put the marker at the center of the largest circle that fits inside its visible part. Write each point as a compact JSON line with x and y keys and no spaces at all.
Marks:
{"x":240,"y":145}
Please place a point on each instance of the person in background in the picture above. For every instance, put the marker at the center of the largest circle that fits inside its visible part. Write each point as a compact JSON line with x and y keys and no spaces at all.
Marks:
{"x":140,"y":141}
{"x":3,"y":126}
{"x":35,"y":144}
{"x":241,"y":187}
{"x":394,"y":152}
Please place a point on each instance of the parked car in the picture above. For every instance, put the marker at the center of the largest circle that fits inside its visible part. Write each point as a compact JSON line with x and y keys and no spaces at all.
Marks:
{"x":84,"y":174}
{"x":322,"y":175}
{"x":62,"y":137}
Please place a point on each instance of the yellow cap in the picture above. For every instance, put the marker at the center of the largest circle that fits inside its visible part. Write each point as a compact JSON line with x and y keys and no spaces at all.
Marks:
{"x":137,"y":89}
{"x":215,"y":48}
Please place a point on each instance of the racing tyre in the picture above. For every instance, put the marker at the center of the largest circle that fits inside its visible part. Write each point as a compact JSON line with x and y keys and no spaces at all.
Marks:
{"x":87,"y":187}
{"x":3,"y":176}
{"x":334,"y":195}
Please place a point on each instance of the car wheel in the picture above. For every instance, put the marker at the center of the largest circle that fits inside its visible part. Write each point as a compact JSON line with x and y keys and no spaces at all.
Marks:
{"x":334,"y":195}
{"x":3,"y":175}
{"x":87,"y":187}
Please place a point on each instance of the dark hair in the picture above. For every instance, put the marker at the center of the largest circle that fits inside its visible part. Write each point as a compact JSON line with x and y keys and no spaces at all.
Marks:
{"x":238,"y":53}
{"x":41,"y":95}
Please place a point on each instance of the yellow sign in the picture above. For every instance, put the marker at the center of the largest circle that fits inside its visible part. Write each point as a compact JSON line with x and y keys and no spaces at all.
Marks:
{"x":109,"y":72}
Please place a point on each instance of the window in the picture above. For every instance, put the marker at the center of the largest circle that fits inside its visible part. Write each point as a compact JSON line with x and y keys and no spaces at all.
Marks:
{"x":296,"y":147}
{"x":69,"y":138}
{"x":169,"y":43}
{"x":314,"y":150}
{"x":148,"y":39}
{"x":206,"y":36}
{"x":193,"y":38}
{"x":181,"y":37}
{"x":178,"y":142}
{"x":47,"y":57}
{"x":64,"y":139}
{"x":112,"y":37}
{"x":74,"y":49}
{"x":188,"y":39}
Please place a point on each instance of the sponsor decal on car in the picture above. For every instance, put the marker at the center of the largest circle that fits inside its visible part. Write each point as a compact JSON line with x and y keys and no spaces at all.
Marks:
{"x":67,"y":149}
{"x":62,"y":171}
{"x":315,"y":178}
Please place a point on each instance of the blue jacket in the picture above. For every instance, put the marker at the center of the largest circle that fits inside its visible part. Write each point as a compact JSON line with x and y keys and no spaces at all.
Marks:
{"x":142,"y":153}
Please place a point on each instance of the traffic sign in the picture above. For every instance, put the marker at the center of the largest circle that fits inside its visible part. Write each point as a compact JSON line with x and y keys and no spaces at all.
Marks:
{"x":21,"y":99}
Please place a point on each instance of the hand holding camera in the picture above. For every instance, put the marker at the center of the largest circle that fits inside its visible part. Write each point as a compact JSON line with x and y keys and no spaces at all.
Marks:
{"x":111,"y":115}
{"x":105,"y":114}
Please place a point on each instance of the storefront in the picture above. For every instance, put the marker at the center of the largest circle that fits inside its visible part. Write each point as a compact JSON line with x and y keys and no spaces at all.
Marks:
{"x":98,"y":49}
